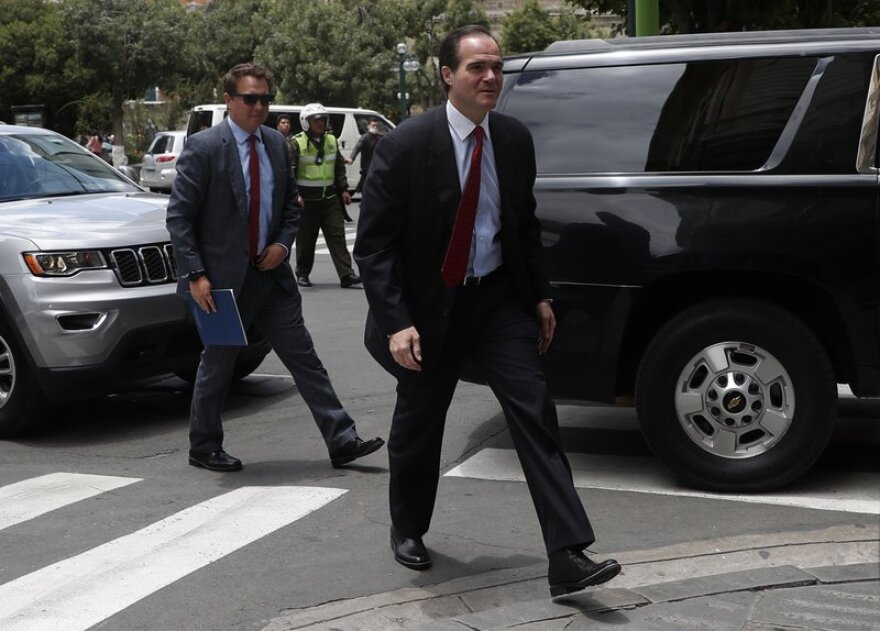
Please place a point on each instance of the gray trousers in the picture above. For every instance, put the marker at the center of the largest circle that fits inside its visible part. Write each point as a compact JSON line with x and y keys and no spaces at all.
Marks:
{"x":276,"y":311}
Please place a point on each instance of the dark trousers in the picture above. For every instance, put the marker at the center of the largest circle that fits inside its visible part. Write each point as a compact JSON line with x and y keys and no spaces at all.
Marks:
{"x":325,"y":215}
{"x":276,"y":311}
{"x":491,"y":327}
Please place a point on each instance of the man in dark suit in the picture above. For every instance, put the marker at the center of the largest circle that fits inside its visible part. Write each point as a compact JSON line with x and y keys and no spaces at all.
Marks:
{"x":445,"y":285}
{"x":232,"y":218}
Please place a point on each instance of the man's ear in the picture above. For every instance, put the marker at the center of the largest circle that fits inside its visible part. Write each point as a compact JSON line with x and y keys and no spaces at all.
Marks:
{"x":446,"y":73}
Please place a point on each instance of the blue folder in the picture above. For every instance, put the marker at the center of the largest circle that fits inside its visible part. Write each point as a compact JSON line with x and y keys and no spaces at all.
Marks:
{"x":223,"y":327}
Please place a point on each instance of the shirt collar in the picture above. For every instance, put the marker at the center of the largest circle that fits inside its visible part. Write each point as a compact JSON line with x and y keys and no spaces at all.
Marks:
{"x":241,"y":135}
{"x":461,"y":125}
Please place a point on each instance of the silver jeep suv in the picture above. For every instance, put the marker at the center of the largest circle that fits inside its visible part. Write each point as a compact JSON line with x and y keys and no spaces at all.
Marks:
{"x":87,"y":280}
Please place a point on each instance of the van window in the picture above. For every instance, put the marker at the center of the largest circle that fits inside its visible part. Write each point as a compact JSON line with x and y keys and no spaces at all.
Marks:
{"x":364,"y":119}
{"x":198,"y":121}
{"x":702,"y":116}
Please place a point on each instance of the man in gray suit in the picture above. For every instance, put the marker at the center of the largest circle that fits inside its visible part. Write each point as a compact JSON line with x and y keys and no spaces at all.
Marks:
{"x":232,"y":218}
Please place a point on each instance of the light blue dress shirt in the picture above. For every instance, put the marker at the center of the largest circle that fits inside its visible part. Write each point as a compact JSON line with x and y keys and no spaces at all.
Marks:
{"x":267,"y":180}
{"x":485,"y":254}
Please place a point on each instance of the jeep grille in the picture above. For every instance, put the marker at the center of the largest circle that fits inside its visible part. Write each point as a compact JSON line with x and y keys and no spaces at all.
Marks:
{"x":144,"y":264}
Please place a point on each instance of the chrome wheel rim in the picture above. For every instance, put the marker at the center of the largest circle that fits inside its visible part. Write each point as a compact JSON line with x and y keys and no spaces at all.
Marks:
{"x":7,"y":373}
{"x":734,"y":400}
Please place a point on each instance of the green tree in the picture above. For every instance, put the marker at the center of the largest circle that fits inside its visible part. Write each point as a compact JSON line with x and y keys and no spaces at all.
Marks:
{"x":339,"y":53}
{"x":126,"y":46}
{"x":706,"y":16}
{"x":528,"y":29}
{"x":531,"y":28}
{"x":36,"y":67}
{"x":225,"y":33}
{"x":462,"y":12}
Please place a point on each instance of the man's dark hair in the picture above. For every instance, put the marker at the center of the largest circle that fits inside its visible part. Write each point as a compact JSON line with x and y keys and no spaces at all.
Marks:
{"x":448,"y":53}
{"x":282,"y":117}
{"x":230,"y":79}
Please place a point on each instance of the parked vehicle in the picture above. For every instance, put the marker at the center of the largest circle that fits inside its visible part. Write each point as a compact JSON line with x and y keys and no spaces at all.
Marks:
{"x":346,"y":123}
{"x":159,"y":165}
{"x":709,"y":209}
{"x":87,"y":280}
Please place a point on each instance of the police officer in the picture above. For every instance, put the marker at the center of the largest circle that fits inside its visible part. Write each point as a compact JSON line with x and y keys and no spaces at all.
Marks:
{"x":320,"y":177}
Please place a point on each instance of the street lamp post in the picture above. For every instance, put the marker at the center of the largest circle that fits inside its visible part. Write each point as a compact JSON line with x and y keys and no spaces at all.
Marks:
{"x":401,"y":58}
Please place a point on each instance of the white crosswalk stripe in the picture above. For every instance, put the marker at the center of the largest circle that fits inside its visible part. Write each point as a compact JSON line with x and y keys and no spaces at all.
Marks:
{"x":31,"y":498}
{"x":81,"y":591}
{"x":350,"y":233}
{"x":852,"y":492}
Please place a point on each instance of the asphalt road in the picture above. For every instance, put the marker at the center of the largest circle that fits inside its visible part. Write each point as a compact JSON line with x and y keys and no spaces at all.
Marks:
{"x":104,"y":525}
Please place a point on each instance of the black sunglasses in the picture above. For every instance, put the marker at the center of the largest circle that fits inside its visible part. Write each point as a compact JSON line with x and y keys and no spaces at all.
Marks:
{"x":251,"y":99}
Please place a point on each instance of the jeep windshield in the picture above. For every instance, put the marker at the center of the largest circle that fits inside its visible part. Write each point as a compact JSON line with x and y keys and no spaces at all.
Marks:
{"x":34,"y":165}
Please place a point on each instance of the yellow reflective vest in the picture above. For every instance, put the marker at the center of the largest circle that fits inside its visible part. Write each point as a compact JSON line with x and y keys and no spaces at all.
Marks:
{"x":308,"y":171}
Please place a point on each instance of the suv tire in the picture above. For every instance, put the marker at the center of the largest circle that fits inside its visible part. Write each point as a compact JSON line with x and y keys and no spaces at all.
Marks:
{"x":22,"y":403}
{"x":736,"y":394}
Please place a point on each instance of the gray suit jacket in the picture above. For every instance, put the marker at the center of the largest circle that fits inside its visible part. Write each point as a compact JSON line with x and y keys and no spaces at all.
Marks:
{"x":208,"y":212}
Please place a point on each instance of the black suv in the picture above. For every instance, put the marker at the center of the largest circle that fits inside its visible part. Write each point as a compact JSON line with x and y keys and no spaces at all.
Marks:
{"x":710,"y":213}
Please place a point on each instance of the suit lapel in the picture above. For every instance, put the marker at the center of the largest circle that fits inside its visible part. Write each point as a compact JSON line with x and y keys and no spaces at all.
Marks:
{"x":505,"y":167}
{"x":276,"y":159}
{"x":233,"y":169}
{"x":446,"y":185}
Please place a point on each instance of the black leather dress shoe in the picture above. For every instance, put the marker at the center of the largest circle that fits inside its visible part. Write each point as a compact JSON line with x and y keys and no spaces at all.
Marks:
{"x":410,"y":553}
{"x":353,"y":449}
{"x":303,"y":281}
{"x":215,"y":460}
{"x":571,"y":571}
{"x":350,"y":281}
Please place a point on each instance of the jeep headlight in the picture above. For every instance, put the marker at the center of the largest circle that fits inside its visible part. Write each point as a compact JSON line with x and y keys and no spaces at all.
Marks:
{"x":63,"y":263}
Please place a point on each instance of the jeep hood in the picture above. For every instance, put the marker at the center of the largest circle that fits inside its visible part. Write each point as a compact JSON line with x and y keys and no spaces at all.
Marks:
{"x":86,"y":221}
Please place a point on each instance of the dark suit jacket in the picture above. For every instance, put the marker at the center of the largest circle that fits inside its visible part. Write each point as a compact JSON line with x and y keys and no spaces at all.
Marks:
{"x":208,"y":211}
{"x":406,"y":218}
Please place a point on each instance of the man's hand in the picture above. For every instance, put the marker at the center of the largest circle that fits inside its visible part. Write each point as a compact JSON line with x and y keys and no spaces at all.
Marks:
{"x":346,"y":198}
{"x":271,"y":257}
{"x":548,"y":326}
{"x":201,"y":293}
{"x":406,"y":349}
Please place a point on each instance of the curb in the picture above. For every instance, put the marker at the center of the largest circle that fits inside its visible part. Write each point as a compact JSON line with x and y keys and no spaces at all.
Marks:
{"x":655,"y":580}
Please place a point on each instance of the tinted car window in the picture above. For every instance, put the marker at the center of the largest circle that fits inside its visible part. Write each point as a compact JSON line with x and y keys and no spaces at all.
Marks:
{"x":364,"y":119}
{"x":336,"y":123}
{"x":701,"y":116}
{"x":199,"y":121}
{"x":35,"y":165}
{"x":828,"y":139}
{"x":161,"y":144}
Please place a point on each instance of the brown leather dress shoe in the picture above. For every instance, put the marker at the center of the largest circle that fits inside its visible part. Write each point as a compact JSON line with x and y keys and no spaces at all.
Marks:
{"x":410,"y":552}
{"x":353,"y":449}
{"x":571,"y":571}
{"x":215,"y":461}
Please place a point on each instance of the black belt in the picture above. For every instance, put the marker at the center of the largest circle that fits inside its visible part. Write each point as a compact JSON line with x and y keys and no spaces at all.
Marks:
{"x":476,"y":281}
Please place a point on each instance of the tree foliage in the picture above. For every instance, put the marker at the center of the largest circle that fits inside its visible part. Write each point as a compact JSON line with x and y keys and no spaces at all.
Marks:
{"x":125,"y":46}
{"x":709,"y":16}
{"x":36,"y":59}
{"x":334,"y":52}
{"x":83,"y":59}
{"x":532,"y":28}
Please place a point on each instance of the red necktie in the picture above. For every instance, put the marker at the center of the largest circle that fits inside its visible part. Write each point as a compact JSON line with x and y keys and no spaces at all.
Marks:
{"x":455,"y":263}
{"x":254,"y":204}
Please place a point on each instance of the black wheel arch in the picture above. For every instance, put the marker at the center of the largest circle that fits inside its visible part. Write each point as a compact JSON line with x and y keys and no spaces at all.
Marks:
{"x":661,"y":300}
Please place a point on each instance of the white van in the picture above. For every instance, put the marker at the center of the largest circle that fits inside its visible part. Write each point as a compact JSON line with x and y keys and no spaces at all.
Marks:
{"x":346,"y":123}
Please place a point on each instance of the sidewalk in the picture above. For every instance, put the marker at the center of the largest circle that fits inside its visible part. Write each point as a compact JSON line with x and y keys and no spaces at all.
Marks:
{"x":774,"y":587}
